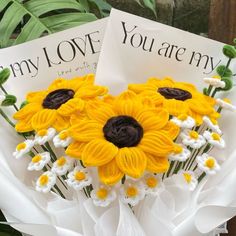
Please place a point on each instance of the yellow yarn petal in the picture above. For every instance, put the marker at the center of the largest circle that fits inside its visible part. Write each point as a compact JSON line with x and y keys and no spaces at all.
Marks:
{"x":86,"y":130}
{"x":61,"y":123}
{"x":197,"y":117}
{"x":73,"y":105}
{"x":24,"y":125}
{"x":132,"y":161}
{"x":56,"y":84}
{"x":110,"y":173}
{"x":152,"y":120}
{"x":100,"y":111}
{"x":199,"y":106}
{"x":154,"y":96}
{"x":175,"y":107}
{"x":75,"y":149}
{"x":171,"y":130}
{"x":44,"y":119}
{"x":98,"y":152}
{"x":76,"y":118}
{"x":159,"y":83}
{"x":156,"y":143}
{"x":157,"y":164}
{"x":37,"y":97}
{"x":139,"y":88}
{"x":28,"y":110}
{"x":91,"y":91}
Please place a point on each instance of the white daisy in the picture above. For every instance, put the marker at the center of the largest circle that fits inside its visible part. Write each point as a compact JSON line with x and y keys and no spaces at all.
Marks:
{"x":103,"y":196}
{"x":184,"y":121}
{"x":213,"y":125}
{"x":192,"y":138}
{"x":23,"y":148}
{"x":39,"y":161}
{"x":226,"y":104}
{"x":214,"y":139}
{"x":45,"y":182}
{"x":215,"y":82}
{"x":131,"y":192}
{"x":208,"y":164}
{"x":62,"y":139}
{"x":190,"y":181}
{"x":62,"y":165}
{"x":79,"y":178}
{"x":152,"y":183}
{"x":180,"y":153}
{"x":44,"y":135}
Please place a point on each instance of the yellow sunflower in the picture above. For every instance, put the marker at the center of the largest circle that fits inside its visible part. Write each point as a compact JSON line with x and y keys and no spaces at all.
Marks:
{"x":124,"y":136}
{"x":54,"y":106}
{"x":177,"y":97}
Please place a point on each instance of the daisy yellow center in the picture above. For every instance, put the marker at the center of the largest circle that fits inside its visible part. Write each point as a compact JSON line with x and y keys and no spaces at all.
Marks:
{"x":187,"y":177}
{"x":42,"y":132}
{"x":61,"y":161}
{"x":215,"y":136}
{"x":79,"y":176}
{"x":63,"y":135}
{"x":210,"y":163}
{"x":178,"y":149}
{"x":174,"y":93}
{"x":216,"y":77}
{"x":132,"y":191}
{"x":183,"y":117}
{"x":193,"y":134}
{"x":20,"y":146}
{"x":58,"y":97}
{"x":123,"y":131}
{"x":214,"y":122}
{"x":102,"y":193}
{"x":151,"y":182}
{"x":43,"y":180}
{"x":36,"y":159}
{"x":227,"y":100}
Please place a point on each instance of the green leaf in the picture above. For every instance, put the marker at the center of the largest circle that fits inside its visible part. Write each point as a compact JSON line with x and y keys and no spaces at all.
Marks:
{"x":222,"y":71}
{"x":37,"y":22}
{"x":103,"y":7}
{"x":229,"y":51}
{"x":151,"y":4}
{"x":10,"y":100}
{"x":4,"y":75}
{"x":228,"y":84}
{"x":67,"y":20}
{"x":23,"y":104}
{"x":85,"y":4}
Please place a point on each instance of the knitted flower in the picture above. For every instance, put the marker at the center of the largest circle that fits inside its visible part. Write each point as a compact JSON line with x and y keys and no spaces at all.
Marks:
{"x":177,"y":97}
{"x":53,"y":107}
{"x":126,"y":136}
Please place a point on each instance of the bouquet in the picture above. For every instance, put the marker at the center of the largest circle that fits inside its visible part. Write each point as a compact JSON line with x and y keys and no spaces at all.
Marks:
{"x":87,"y":146}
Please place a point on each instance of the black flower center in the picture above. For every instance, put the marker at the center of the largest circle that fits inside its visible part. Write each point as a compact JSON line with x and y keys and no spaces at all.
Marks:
{"x":174,"y":93}
{"x":58,"y":97}
{"x":123,"y":131}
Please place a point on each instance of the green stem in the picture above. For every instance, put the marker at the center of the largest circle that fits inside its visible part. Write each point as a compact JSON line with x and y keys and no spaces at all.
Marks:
{"x":209,"y":89}
{"x":7,"y":118}
{"x":201,"y":177}
{"x":60,"y":192}
{"x":214,"y":92}
{"x":51,"y":151}
{"x":219,"y":109}
{"x":170,"y":168}
{"x":177,"y":168}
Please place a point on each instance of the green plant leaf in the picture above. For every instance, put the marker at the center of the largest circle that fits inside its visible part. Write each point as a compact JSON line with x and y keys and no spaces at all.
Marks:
{"x":4,"y":75}
{"x":150,"y":4}
{"x":67,"y":20}
{"x":103,"y":7}
{"x":222,"y":71}
{"x":39,"y":17}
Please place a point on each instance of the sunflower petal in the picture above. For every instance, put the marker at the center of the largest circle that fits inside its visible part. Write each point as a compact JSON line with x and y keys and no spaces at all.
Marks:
{"x":159,"y":83}
{"x":24,"y":125}
{"x":27,"y":111}
{"x":110,"y":173}
{"x":171,"y":130}
{"x":86,"y":130}
{"x":57,"y":84}
{"x":200,"y":106}
{"x":61,"y":123}
{"x":157,"y":164}
{"x":90,"y":91}
{"x":139,"y":88}
{"x":153,"y":120}
{"x":73,"y":105}
{"x":36,"y":97}
{"x":98,"y":152}
{"x":156,"y":143}
{"x":175,"y":107}
{"x":75,"y":149}
{"x":132,"y":161}
{"x":44,"y":119}
{"x":99,"y":111}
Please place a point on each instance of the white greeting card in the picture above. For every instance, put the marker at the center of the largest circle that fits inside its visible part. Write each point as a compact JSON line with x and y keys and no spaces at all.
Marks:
{"x":70,"y":53}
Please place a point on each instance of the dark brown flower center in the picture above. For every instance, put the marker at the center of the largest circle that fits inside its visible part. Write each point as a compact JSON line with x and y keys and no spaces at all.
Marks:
{"x":175,"y":93}
{"x":58,"y":97}
{"x":123,"y":131}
